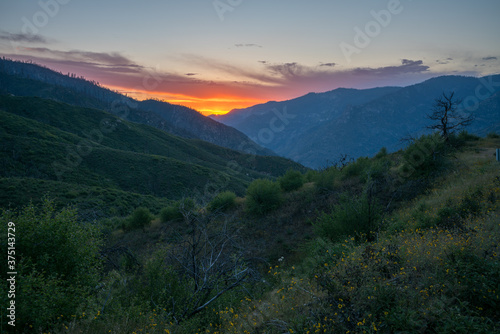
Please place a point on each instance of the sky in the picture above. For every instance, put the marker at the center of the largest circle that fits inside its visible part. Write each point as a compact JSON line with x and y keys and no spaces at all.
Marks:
{"x":217,"y":55}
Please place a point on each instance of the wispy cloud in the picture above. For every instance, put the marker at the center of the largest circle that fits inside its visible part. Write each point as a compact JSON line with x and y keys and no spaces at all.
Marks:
{"x":251,"y":45}
{"x":444,"y":61}
{"x":490,"y":58}
{"x":287,"y":70}
{"x":22,"y":38}
{"x":265,"y":81}
{"x":407,"y":66}
{"x":100,"y":59}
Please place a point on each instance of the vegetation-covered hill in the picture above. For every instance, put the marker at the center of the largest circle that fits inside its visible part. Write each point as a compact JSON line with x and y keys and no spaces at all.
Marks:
{"x":27,"y":79}
{"x":402,"y":242}
{"x":72,"y":152}
{"x":320,"y":127}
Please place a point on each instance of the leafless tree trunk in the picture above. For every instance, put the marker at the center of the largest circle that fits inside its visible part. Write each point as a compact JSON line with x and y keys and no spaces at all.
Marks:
{"x":449,"y":119}
{"x":208,"y":261}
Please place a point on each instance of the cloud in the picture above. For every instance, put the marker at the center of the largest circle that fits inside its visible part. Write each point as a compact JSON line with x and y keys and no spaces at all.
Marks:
{"x":297,"y":72}
{"x":444,"y":61}
{"x":328,"y":64}
{"x":26,"y":38}
{"x":228,"y":70}
{"x":113,"y":61}
{"x":408,"y":62}
{"x":275,"y":81}
{"x":490,"y":58}
{"x":407,"y":66}
{"x":227,"y":82}
{"x":113,"y":58}
{"x":287,"y":69}
{"x":248,"y":45}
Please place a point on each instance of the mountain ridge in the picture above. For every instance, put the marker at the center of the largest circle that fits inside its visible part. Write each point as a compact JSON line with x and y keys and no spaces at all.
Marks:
{"x":364,"y":120}
{"x":68,"y":147}
{"x":28,"y":79}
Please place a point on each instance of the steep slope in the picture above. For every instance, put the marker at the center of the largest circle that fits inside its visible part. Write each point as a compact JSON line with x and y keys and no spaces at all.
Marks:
{"x":280,"y":126}
{"x":362,"y":130}
{"x":487,"y":115}
{"x":359,"y":122}
{"x":62,"y":144}
{"x":204,"y":128}
{"x":25,"y":79}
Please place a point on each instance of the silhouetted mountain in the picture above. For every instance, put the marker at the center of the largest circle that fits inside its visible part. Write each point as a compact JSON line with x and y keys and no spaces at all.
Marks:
{"x":27,"y":79}
{"x":187,"y":122}
{"x":358,"y":122}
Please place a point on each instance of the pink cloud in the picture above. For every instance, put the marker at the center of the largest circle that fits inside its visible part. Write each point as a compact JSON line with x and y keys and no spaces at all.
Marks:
{"x":270,"y":81}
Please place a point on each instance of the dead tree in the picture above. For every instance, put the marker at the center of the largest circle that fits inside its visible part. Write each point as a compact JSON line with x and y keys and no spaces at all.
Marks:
{"x":207,"y":262}
{"x":448,"y":119}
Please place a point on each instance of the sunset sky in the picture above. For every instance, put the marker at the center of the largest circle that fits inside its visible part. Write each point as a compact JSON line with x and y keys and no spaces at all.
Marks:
{"x":214,"y":56}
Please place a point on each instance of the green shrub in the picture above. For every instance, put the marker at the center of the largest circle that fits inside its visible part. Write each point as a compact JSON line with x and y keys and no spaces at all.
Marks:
{"x":357,"y":168}
{"x":382,"y":153}
{"x":140,"y":218}
{"x":164,"y":284}
{"x":223,"y":201}
{"x":478,"y":277}
{"x":471,"y":203}
{"x":292,"y":180}
{"x":326,"y":179}
{"x":108,"y":225}
{"x":453,"y":214}
{"x":311,"y":175}
{"x":170,"y":213}
{"x":263,"y":196}
{"x":58,"y":265}
{"x":458,"y":140}
{"x":422,"y":217}
{"x":355,"y":216}
{"x":174,"y":212}
{"x":424,"y":157}
{"x":493,"y":135}
{"x":448,"y":216}
{"x":464,"y":136}
{"x":366,"y":168}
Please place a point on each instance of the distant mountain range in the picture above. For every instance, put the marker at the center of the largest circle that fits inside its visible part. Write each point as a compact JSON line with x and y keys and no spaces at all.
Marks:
{"x":26,"y":79}
{"x":317,"y":128}
{"x":314,"y":129}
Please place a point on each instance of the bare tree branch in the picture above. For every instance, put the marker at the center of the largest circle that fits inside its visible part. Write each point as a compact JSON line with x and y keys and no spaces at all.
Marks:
{"x":206,"y":262}
{"x":449,"y":120}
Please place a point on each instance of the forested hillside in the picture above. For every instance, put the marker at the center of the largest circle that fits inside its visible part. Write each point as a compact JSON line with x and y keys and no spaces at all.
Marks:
{"x":101,"y":163}
{"x":28,"y":79}
{"x":402,"y":242}
{"x":319,"y":128}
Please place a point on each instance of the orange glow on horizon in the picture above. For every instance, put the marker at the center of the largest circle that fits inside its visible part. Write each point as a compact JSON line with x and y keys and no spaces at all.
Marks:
{"x":219,"y":105}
